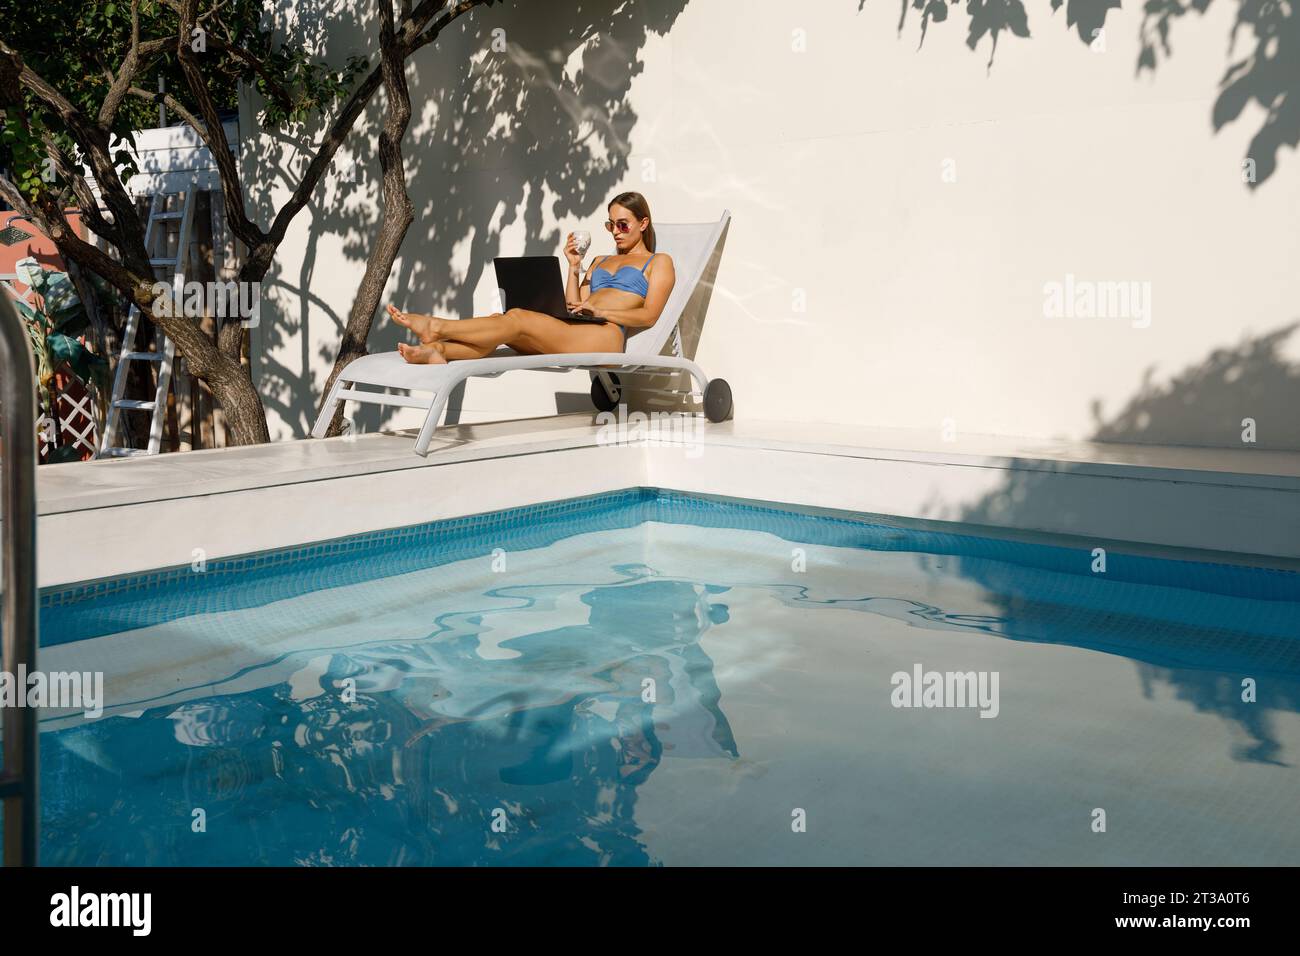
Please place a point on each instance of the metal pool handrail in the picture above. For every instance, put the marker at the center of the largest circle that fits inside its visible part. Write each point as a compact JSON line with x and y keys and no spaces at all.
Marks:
{"x":18,"y":780}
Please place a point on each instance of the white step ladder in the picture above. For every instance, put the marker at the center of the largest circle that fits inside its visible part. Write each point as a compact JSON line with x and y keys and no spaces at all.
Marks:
{"x":165,"y":353}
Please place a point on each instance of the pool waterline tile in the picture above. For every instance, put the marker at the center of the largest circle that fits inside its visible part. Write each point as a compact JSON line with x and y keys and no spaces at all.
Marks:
{"x":250,"y":580}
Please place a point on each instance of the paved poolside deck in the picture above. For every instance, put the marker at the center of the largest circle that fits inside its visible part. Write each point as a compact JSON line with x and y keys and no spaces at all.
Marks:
{"x":145,"y":513}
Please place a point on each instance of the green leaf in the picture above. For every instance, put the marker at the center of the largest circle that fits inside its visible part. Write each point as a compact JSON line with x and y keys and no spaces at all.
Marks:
{"x":98,"y":373}
{"x":26,"y":311}
{"x":64,"y":348}
{"x":71,"y":320}
{"x":63,"y":305}
{"x":38,"y":278}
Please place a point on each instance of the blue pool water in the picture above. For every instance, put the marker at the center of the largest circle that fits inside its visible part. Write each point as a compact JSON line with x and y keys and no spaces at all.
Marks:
{"x":649,"y":678}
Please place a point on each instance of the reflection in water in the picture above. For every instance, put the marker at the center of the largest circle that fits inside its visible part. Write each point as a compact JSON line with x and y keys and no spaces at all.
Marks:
{"x":572,"y":710}
{"x":1200,"y":645}
{"x":403,"y":754}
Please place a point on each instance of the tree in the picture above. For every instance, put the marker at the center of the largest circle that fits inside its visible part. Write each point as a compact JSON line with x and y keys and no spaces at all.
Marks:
{"x":75,"y":107}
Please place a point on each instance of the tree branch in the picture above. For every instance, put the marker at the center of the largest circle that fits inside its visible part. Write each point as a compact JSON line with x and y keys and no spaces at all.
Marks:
{"x":453,"y":13}
{"x":14,"y":197}
{"x":92,"y":139}
{"x":213,"y":134}
{"x":80,"y":189}
{"x":257,"y":63}
{"x":409,"y":40}
{"x":130,"y":67}
{"x":238,"y":52}
{"x":55,"y":225}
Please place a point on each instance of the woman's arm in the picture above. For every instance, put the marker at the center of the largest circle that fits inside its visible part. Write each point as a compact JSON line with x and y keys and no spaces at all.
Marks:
{"x":573,"y":283}
{"x":661,"y":280}
{"x":583,"y":284}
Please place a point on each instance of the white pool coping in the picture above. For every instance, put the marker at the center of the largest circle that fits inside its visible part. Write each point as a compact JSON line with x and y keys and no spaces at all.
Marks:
{"x":118,"y":517}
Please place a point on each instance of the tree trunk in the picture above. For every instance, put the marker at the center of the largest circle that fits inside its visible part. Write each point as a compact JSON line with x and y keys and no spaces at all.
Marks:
{"x":398,"y":212}
{"x":244,"y":413}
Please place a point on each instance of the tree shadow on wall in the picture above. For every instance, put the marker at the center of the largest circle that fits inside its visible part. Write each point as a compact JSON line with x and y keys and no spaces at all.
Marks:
{"x":1253,"y":380}
{"x":498,"y":137}
{"x":1264,"y":44}
{"x":1197,"y":647}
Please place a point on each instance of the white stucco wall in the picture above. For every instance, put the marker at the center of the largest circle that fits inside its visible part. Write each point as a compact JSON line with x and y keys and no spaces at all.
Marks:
{"x":859,"y":283}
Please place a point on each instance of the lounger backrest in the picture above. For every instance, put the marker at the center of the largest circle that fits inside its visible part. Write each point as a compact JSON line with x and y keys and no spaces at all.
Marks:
{"x":691,"y":245}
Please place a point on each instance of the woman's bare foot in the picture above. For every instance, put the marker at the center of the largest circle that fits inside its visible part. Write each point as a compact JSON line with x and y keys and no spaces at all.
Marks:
{"x":427,"y":328}
{"x":427,"y":354}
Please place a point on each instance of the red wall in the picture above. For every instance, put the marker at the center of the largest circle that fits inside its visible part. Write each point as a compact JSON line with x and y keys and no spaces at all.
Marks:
{"x":38,"y":245}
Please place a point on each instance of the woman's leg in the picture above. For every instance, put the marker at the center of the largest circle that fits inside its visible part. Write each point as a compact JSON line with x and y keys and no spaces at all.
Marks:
{"x":485,"y":330}
{"x":422,"y":325}
{"x":529,"y":332}
{"x":436,"y":353}
{"x":540,"y":334}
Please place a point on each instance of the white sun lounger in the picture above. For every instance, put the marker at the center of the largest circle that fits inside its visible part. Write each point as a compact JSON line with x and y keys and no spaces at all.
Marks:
{"x":690,"y":244}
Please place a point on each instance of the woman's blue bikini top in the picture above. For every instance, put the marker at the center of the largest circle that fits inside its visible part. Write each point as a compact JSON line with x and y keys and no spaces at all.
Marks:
{"x":634,"y":281}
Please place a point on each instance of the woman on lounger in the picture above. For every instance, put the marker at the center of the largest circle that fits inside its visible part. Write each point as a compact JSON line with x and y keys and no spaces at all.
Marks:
{"x":627,"y":289}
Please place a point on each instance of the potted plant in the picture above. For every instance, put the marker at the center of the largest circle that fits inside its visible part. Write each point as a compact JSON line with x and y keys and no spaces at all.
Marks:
{"x":56,"y":323}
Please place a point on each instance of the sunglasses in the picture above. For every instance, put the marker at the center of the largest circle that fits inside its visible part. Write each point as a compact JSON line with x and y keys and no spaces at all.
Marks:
{"x":622,"y":226}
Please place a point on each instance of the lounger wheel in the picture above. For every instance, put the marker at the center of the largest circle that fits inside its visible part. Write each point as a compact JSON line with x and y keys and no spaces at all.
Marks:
{"x":717,"y":400}
{"x":600,"y":398}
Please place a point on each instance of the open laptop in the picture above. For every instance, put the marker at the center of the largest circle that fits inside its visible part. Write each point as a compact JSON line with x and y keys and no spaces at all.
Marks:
{"x":533,"y":282}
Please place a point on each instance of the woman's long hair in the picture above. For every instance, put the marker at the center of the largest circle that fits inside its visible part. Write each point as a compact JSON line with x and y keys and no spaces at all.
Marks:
{"x":636,"y":204}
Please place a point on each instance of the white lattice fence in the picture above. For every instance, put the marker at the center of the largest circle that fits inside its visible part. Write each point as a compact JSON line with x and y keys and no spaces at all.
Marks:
{"x":74,"y":404}
{"x":76,"y":414}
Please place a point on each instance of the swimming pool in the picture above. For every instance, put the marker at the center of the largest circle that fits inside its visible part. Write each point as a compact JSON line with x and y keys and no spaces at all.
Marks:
{"x":647,"y":677}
